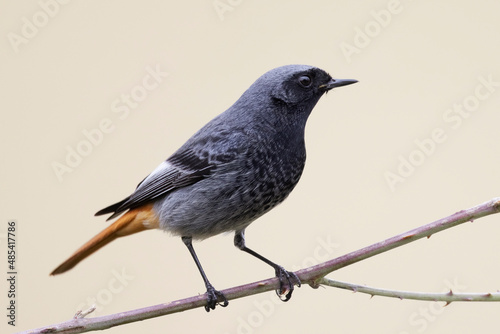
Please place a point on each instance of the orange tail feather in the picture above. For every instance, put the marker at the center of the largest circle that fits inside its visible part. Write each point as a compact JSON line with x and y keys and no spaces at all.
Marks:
{"x":136,"y":220}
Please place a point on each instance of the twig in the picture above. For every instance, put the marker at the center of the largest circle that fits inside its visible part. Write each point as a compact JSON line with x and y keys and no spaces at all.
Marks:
{"x":447,"y":297}
{"x":313,"y":276}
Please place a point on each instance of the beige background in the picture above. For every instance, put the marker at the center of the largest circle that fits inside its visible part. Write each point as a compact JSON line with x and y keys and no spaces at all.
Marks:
{"x":418,"y":63}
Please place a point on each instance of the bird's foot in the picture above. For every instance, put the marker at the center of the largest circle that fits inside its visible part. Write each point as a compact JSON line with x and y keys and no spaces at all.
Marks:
{"x":288,"y":280}
{"x":215,"y":298}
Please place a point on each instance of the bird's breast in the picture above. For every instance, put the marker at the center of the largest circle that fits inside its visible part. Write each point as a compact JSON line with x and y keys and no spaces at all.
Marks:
{"x":275,"y":171}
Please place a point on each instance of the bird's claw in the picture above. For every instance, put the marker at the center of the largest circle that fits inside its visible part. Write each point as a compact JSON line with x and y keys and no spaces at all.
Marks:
{"x":215,"y":298}
{"x":288,"y":280}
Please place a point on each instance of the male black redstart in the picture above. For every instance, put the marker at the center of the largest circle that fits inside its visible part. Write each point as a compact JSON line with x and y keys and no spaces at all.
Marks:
{"x":233,"y":170}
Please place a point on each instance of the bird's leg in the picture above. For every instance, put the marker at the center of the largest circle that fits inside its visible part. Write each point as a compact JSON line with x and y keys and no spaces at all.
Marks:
{"x":287,"y":278}
{"x":214,"y":297}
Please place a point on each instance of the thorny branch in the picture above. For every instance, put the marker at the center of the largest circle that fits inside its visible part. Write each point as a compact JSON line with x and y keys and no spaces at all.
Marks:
{"x":447,"y":297}
{"x":314,"y":276}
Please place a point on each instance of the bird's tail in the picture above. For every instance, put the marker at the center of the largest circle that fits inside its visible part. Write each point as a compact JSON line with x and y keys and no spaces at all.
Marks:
{"x":133,"y":221}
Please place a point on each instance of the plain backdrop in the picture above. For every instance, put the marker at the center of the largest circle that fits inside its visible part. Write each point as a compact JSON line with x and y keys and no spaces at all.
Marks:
{"x":83,"y":120}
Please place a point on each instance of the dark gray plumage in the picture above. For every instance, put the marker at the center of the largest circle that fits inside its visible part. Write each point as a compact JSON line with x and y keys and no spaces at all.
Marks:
{"x":237,"y":167}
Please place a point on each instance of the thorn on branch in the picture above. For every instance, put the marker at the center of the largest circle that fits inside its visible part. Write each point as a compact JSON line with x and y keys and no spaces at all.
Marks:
{"x":316,"y":283}
{"x":82,"y":314}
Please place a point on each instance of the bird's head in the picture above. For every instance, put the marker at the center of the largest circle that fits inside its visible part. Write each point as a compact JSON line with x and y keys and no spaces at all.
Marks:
{"x":300,"y":84}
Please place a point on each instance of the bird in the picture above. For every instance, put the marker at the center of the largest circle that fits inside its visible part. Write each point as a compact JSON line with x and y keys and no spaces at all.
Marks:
{"x":237,"y":167}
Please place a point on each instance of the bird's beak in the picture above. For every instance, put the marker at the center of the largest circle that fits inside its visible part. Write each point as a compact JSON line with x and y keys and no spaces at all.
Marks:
{"x":333,"y":83}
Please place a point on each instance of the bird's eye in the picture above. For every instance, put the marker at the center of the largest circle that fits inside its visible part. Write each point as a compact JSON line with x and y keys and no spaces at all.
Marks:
{"x":305,"y":81}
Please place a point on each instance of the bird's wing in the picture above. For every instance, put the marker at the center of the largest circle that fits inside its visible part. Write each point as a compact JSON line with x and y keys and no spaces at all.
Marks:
{"x":181,"y":169}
